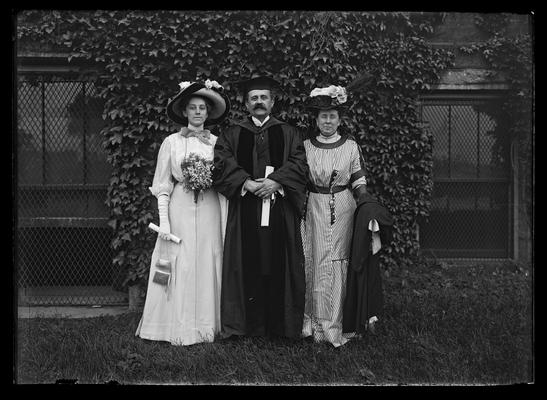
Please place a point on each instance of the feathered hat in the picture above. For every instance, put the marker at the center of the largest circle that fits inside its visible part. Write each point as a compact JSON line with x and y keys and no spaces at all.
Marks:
{"x":327,"y":98}
{"x":335,"y":97}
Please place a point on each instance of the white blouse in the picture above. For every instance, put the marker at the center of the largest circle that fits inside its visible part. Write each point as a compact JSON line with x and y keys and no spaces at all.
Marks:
{"x":173,"y":150}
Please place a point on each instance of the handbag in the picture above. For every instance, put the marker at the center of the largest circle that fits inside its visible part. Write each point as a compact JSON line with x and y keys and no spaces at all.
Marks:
{"x":162,"y":274}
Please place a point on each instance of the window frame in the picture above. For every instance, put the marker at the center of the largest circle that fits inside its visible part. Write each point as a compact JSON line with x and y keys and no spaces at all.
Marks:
{"x":511,"y":180}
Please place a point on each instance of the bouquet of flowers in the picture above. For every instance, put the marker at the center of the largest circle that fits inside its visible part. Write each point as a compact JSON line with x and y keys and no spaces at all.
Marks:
{"x":197,"y":174}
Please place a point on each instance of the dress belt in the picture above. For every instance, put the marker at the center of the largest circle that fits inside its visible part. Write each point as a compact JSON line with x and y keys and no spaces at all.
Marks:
{"x":325,"y":190}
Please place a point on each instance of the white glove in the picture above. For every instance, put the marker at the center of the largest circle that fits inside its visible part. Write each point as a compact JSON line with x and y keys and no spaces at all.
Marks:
{"x":163,"y":211}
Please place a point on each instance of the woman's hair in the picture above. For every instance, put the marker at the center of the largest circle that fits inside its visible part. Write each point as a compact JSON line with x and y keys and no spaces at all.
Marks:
{"x":317,"y":111}
{"x":208,"y":103}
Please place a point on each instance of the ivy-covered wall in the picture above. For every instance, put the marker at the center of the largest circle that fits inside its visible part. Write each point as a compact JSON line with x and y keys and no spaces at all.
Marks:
{"x":140,"y":56}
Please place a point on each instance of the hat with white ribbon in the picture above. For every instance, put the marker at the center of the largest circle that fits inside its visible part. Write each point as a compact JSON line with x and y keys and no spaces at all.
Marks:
{"x":327,"y":98}
{"x":211,"y":90}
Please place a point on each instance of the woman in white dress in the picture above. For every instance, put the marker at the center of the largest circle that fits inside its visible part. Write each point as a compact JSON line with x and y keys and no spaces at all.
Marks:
{"x":182,"y":303}
{"x":336,"y":173}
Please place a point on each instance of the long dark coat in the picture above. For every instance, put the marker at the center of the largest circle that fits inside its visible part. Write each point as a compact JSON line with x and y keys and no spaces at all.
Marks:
{"x":364,"y":297}
{"x":263,"y":280}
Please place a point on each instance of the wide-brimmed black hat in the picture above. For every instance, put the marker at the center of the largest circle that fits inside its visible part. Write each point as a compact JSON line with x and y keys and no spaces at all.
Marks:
{"x":257,"y":82}
{"x":328,"y":98}
{"x":212,"y":91}
{"x":322,"y":103}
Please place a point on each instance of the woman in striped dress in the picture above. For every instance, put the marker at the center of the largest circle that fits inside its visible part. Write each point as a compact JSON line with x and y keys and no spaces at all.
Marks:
{"x":336,"y":172}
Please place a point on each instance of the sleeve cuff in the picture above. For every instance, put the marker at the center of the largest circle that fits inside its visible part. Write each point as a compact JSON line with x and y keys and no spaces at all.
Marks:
{"x":243,"y":190}
{"x":359,"y":182}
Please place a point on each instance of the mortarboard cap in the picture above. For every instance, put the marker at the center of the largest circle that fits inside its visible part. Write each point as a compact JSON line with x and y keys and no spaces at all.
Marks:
{"x":257,"y":82}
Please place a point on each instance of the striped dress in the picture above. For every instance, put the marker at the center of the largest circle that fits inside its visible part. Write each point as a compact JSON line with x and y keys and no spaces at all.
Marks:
{"x":327,"y":242}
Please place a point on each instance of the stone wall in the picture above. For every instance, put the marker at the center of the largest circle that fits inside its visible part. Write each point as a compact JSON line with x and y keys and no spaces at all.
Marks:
{"x":471,"y":73}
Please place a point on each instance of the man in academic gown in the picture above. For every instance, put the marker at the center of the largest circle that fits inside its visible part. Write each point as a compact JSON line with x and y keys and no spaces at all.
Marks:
{"x":263,"y":282}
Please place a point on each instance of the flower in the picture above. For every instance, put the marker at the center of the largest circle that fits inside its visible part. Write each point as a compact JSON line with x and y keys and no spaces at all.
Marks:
{"x":340,"y":94}
{"x":184,"y":85}
{"x":197,"y":173}
{"x":320,"y":92}
{"x":335,"y":92}
{"x":212,"y":84}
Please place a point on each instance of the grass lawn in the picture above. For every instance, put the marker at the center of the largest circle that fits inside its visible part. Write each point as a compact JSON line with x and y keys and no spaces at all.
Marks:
{"x":442,"y":325}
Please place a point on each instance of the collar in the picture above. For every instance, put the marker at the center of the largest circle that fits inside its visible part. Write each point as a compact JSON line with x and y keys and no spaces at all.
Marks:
{"x":249,"y":125}
{"x":258,"y":123}
{"x":328,"y":145}
{"x":331,"y":139}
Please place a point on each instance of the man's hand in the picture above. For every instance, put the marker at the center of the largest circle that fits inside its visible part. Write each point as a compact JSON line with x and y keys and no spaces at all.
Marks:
{"x":267,"y":188}
{"x":251,"y":186}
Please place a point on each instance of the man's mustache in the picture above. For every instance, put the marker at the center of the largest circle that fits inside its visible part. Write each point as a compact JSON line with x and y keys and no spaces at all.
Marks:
{"x":259,"y":106}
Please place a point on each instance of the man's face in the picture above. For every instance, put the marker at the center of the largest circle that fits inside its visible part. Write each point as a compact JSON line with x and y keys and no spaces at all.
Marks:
{"x":259,"y":103}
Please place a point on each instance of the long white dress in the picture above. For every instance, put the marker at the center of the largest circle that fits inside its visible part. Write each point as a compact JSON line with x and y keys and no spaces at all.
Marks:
{"x":187,"y":311}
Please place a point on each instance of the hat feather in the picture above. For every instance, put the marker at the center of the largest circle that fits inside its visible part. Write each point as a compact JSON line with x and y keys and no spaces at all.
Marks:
{"x":362,"y":80}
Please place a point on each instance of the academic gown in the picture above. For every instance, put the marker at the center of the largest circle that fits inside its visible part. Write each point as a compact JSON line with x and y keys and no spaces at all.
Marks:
{"x":263,"y":278}
{"x":364,"y":297}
